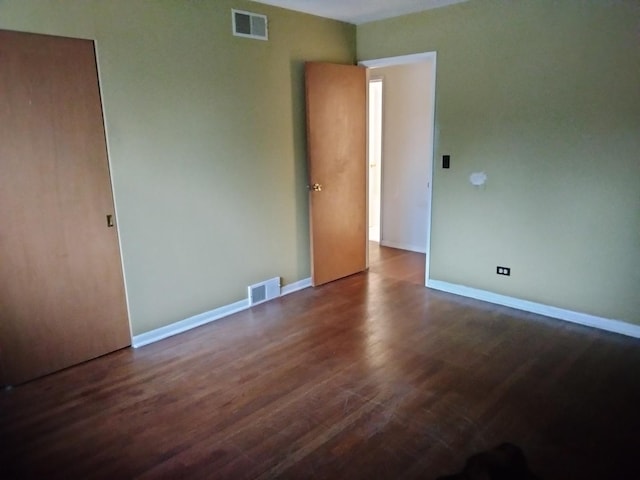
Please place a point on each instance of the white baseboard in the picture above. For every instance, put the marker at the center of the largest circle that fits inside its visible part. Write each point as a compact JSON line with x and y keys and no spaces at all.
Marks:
{"x":295,"y":286}
{"x":610,"y":325}
{"x":206,"y":317}
{"x":402,"y":246}
{"x":188,"y":324}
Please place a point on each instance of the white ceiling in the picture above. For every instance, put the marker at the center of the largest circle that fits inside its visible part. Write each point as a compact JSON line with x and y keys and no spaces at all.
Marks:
{"x":359,"y":11}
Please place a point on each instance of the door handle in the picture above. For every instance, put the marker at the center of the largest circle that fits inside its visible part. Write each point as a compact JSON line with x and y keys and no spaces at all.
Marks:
{"x":316,"y":187}
{"x":109,"y":221}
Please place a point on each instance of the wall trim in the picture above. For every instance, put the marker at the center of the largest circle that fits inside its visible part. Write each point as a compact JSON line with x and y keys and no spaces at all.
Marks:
{"x":399,"y":60}
{"x":296,"y":286}
{"x":190,"y":323}
{"x":402,"y":246}
{"x":607,"y":324}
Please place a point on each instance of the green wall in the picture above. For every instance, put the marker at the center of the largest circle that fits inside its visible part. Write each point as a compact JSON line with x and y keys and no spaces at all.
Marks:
{"x":206,"y":141}
{"x":543,"y":96}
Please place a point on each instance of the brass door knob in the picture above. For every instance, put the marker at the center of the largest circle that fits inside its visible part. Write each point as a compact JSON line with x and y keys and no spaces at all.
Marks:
{"x":316,"y":187}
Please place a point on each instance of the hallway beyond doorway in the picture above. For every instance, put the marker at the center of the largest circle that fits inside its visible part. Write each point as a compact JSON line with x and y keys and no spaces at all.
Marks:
{"x":397,"y":264}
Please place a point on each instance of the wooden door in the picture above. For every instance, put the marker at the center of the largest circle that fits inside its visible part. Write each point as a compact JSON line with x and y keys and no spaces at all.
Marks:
{"x":61,"y":287}
{"x":336,"y":137}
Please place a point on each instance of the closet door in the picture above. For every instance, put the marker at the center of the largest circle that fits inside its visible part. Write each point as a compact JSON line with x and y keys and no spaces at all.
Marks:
{"x":62,"y":295}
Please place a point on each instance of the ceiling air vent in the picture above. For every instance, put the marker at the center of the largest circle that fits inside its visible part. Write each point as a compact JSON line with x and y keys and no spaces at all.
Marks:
{"x":250,"y":25}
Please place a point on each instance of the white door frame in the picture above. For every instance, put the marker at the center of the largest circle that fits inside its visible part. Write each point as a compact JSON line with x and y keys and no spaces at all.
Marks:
{"x":378,"y":169}
{"x":405,"y":60}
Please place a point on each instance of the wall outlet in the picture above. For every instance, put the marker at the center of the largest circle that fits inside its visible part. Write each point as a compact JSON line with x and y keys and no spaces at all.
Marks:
{"x":503,"y":271}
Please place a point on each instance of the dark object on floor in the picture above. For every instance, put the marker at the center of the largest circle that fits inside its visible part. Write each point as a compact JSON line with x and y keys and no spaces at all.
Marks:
{"x":504,"y":462}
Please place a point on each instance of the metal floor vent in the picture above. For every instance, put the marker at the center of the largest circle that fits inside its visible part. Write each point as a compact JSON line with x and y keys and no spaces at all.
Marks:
{"x":264,"y":291}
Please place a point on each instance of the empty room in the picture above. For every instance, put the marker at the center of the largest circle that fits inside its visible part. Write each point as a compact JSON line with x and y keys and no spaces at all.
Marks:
{"x":189,"y":286}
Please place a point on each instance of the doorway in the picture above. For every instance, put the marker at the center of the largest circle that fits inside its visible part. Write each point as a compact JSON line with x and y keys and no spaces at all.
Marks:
{"x":402,"y":109}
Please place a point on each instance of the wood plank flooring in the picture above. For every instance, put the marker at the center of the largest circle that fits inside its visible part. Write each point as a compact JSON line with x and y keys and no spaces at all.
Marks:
{"x":369,"y":377}
{"x":397,"y":264}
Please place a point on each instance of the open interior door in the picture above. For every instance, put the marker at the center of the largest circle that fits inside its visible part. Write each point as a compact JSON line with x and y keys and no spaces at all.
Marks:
{"x":336,"y":137}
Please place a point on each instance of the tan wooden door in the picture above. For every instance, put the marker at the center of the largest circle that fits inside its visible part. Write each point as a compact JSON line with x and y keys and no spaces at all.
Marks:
{"x":61,"y":288}
{"x":336,"y":137}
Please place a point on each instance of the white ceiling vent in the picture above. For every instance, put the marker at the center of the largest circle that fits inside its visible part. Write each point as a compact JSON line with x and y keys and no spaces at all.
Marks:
{"x":250,"y":25}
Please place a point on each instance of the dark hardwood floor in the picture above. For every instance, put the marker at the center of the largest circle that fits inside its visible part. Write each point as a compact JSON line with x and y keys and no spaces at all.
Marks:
{"x":397,"y":264}
{"x":369,"y":377}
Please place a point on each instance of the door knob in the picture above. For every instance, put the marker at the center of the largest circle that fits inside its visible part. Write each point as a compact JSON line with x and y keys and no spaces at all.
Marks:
{"x":316,"y":187}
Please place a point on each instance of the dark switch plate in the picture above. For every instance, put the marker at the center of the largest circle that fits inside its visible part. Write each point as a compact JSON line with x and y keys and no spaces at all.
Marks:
{"x":446,"y":161}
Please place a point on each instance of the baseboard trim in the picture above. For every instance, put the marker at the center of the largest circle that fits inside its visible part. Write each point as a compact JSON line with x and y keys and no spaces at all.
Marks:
{"x":610,"y":325}
{"x":295,"y":286}
{"x":402,"y":246}
{"x":187,"y":324}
